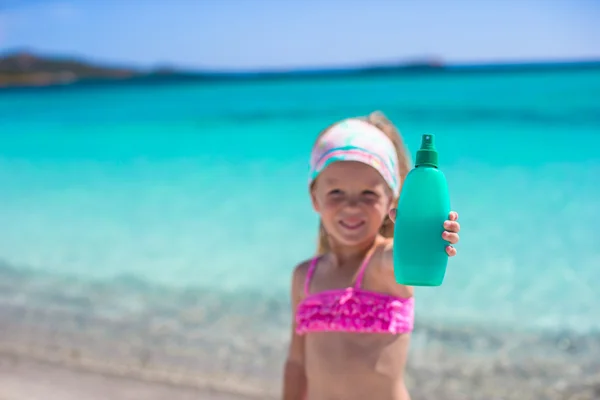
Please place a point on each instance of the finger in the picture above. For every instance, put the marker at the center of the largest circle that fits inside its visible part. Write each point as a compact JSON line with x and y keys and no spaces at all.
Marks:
{"x":452,"y":226}
{"x":450,"y":237}
{"x":453,"y":216}
{"x":393,"y":215}
{"x":451,"y":251}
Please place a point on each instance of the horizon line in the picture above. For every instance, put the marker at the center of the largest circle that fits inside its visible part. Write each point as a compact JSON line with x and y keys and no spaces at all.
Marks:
{"x":418,"y":63}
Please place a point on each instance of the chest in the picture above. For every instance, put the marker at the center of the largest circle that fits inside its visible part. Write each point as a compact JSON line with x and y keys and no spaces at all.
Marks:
{"x":327,"y":277}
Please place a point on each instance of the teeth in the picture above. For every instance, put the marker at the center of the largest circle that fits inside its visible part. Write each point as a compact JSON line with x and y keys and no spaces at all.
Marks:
{"x":351,"y":226}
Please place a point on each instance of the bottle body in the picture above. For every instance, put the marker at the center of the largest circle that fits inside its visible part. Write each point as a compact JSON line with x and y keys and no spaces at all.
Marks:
{"x":420,"y":257}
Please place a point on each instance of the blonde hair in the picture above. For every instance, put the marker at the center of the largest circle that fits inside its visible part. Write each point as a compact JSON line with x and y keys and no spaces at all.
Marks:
{"x":379,"y":120}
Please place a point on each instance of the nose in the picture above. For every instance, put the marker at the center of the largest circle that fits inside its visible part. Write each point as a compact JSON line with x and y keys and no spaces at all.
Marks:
{"x":352,"y":203}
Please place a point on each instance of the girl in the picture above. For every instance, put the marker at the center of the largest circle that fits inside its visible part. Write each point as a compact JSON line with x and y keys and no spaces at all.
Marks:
{"x":352,"y":321}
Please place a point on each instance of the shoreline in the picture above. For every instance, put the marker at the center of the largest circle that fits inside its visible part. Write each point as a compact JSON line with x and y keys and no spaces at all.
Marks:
{"x":19,"y":359}
{"x":124,"y":357}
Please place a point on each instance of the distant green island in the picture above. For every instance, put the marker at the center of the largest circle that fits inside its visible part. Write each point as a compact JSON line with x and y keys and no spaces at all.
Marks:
{"x":25,"y":69}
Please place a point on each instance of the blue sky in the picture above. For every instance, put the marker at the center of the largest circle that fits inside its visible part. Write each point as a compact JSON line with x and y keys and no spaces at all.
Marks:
{"x":284,"y":34}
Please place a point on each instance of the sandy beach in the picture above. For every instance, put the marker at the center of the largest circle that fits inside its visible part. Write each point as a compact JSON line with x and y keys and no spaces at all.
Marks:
{"x":27,"y":379}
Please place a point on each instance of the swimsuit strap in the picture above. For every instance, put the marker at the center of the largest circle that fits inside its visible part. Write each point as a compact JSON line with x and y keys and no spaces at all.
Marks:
{"x":363,"y":267}
{"x":359,"y":276}
{"x":309,"y":274}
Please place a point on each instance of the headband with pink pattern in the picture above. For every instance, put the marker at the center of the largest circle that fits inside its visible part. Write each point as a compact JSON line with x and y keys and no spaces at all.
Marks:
{"x":356,"y":140}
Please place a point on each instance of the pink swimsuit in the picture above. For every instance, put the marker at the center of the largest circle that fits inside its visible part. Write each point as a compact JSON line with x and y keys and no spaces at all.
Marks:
{"x":353,"y":309}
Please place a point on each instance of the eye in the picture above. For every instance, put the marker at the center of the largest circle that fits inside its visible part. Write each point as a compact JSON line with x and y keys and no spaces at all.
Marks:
{"x":335,"y":192}
{"x":369,"y":193}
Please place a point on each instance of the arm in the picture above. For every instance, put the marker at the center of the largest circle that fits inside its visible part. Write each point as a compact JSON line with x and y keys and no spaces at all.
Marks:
{"x":294,"y":377}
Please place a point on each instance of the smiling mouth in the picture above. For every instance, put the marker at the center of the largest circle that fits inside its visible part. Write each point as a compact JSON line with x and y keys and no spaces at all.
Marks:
{"x":352,"y":226}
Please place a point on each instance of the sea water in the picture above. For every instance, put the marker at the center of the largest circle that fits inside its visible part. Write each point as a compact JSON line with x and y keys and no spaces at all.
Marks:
{"x":122,"y":200}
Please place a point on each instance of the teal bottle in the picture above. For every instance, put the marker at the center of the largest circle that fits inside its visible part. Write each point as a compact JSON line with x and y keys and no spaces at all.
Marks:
{"x":420,"y":257}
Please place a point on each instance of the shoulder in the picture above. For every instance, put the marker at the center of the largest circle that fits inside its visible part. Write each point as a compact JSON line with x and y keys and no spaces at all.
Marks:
{"x":301,"y":270}
{"x":387,"y":269}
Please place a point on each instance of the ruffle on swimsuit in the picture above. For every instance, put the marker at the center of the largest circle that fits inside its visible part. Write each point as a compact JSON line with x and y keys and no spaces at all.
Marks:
{"x":353,"y":309}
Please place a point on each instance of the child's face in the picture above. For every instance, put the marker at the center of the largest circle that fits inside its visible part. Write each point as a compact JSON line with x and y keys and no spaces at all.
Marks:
{"x":353,"y":200}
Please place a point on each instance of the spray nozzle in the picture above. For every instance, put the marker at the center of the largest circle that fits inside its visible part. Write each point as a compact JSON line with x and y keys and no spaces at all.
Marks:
{"x":427,"y":155}
{"x":427,"y":142}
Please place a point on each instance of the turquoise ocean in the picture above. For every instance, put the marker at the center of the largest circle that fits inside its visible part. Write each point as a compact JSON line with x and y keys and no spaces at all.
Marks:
{"x":180,"y":209}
